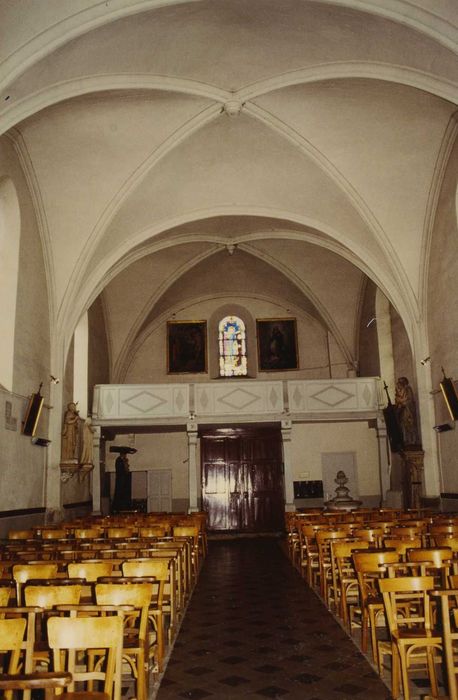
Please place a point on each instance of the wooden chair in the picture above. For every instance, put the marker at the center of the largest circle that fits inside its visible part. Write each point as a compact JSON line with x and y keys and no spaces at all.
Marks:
{"x":23,"y":572}
{"x":137,"y":593}
{"x":345,"y":582}
{"x":53,"y":534}
{"x":191,"y":532}
{"x":368,"y":571}
{"x":159,"y":570}
{"x":67,"y":635}
{"x":12,"y":635}
{"x":87,"y":533}
{"x":6,"y":593}
{"x":373,"y":535}
{"x":406,"y":530}
{"x":408,"y":613}
{"x":89,"y":570}
{"x":449,"y":615}
{"x":308,"y":552}
{"x":42,"y":680}
{"x":21,"y":534}
{"x":323,"y":541}
{"x":401,"y":544}
{"x":116,"y":533}
{"x":47,"y":597}
{"x":437,"y":560}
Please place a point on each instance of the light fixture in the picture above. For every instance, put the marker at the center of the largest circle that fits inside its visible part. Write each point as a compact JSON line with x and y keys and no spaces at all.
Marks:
{"x":53,"y":379}
{"x":444,"y":427}
{"x":425,"y":361}
{"x":41,"y":442}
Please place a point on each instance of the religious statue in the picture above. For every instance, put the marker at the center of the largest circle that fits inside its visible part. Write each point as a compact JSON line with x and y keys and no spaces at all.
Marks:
{"x":123,"y":484}
{"x":406,"y":412}
{"x":86,"y":459}
{"x":70,"y":432}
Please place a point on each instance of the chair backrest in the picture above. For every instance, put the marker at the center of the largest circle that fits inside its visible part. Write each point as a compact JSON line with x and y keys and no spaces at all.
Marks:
{"x":370,"y":534}
{"x":447,"y":541}
{"x":401,"y":544}
{"x":407,"y":531}
{"x":138,"y":594}
{"x":159,"y":568}
{"x":120,"y":532}
{"x":89,"y":570}
{"x":20,"y":535}
{"x":70,"y":634}
{"x":153,"y":531}
{"x":53,"y":534}
{"x":156,"y":568}
{"x":368,"y":567}
{"x":436,"y":555}
{"x":187,"y":531}
{"x":23,"y":572}
{"x":407,"y":602}
{"x":47,"y":597}
{"x":87,"y":533}
{"x":5,"y":595}
{"x":12,"y":633}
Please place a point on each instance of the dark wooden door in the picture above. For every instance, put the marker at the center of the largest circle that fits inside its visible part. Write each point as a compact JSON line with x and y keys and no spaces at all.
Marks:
{"x":242,"y":480}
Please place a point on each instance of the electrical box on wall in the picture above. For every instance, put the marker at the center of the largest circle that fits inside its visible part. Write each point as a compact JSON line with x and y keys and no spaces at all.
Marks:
{"x":308,"y":489}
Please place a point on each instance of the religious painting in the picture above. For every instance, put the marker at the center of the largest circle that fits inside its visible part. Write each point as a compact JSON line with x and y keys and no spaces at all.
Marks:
{"x":186,"y":347}
{"x":277,"y":344}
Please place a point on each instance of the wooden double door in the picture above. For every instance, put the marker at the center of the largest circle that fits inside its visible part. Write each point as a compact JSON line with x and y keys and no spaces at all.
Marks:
{"x":242,"y":480}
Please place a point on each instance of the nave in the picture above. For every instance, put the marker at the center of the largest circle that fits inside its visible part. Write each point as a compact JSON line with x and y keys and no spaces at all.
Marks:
{"x":254,"y":629}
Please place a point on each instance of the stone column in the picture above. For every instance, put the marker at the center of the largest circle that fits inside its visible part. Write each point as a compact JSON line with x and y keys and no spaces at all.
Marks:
{"x":384,"y":465}
{"x":286,"y":429}
{"x":191,"y":429}
{"x":413,"y":477}
{"x":96,"y":472}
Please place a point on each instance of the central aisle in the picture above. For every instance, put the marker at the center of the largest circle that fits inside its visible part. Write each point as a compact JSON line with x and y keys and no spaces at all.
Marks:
{"x":254,"y":629}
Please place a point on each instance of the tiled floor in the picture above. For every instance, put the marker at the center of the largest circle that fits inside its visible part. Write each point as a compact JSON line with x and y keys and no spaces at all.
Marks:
{"x":253,"y":629}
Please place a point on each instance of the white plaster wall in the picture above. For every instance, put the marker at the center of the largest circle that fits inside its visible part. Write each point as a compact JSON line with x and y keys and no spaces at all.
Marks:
{"x":21,"y":463}
{"x":159,"y":451}
{"x":443,"y":316}
{"x":310,"y":440}
{"x":150,"y":362}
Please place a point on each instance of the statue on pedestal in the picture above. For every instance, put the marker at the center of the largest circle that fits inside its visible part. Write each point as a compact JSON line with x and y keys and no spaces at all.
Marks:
{"x":70,"y":435}
{"x":406,"y":412}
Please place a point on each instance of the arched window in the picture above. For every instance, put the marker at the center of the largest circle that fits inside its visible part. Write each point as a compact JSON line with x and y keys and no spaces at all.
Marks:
{"x":232,"y":347}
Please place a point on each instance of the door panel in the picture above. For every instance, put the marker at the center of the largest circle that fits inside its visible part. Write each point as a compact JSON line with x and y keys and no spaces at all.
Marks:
{"x":160,"y":491}
{"x":242,"y":481}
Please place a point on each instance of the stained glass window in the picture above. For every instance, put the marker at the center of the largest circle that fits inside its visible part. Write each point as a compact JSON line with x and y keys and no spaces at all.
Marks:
{"x":232,"y":347}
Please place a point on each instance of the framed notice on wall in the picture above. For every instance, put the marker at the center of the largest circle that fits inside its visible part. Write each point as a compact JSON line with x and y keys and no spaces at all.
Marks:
{"x":186,"y":346}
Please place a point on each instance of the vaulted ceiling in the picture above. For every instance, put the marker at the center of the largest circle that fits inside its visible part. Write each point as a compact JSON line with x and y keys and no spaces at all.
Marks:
{"x":310,"y":135}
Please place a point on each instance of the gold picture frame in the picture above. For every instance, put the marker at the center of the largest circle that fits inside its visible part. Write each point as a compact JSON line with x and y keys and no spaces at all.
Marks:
{"x":186,"y":347}
{"x":277,"y":344}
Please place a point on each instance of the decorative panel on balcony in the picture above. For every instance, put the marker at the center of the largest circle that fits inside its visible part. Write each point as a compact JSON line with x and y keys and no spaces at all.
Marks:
{"x":238,"y":398}
{"x":137,"y":401}
{"x":338,"y":395}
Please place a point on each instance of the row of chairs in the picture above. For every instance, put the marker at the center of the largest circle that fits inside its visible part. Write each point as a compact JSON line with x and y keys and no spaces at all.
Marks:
{"x":149,"y":601}
{"x":381,"y":574}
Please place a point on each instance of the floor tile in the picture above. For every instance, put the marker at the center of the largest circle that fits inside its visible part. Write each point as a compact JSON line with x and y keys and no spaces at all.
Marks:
{"x":254,"y":629}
